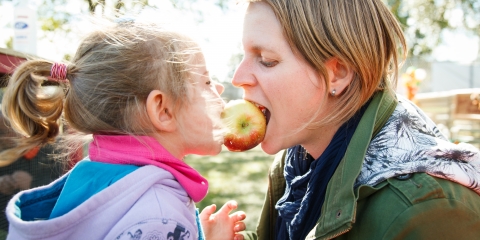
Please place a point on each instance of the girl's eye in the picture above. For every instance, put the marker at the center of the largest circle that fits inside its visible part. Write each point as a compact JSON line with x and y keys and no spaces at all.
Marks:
{"x":268,"y":64}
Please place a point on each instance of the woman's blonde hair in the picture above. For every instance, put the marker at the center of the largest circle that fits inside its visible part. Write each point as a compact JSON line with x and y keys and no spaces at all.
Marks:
{"x":363,"y":34}
{"x":109,"y":79}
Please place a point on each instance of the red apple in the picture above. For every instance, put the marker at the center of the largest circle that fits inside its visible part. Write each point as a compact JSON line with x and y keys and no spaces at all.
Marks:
{"x":245,"y":123}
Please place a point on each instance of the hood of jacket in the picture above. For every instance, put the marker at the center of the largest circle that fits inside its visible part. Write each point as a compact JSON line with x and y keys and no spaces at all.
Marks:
{"x":145,"y":150}
{"x":409,"y":143}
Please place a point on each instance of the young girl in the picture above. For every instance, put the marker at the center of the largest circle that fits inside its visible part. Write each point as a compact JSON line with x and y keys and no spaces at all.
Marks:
{"x":146,"y":96}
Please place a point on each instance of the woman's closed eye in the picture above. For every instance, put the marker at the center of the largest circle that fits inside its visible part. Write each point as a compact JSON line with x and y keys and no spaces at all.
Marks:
{"x":268,"y":63}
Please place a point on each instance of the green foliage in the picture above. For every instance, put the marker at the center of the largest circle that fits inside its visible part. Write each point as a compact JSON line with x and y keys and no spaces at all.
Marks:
{"x":118,"y":7}
{"x":67,"y":57}
{"x":222,"y":4}
{"x":51,"y":24}
{"x":424,"y":21}
{"x":9,"y":43}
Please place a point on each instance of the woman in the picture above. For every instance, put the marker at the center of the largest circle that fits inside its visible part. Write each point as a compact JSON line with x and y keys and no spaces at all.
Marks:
{"x":360,"y":162}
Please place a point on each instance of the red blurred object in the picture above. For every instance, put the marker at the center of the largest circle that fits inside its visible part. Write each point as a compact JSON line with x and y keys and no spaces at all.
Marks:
{"x":10,"y":59}
{"x":32,"y":153}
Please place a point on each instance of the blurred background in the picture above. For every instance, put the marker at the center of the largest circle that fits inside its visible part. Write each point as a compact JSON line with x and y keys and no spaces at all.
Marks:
{"x":441,"y":75}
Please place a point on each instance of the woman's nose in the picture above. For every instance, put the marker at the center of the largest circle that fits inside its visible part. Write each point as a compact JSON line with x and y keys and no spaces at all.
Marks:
{"x":243,"y":76}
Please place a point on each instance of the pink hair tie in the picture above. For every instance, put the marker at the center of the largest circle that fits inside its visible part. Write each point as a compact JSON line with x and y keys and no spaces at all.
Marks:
{"x":58,"y":72}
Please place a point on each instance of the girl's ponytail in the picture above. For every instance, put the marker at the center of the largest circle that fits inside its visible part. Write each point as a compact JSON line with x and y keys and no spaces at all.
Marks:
{"x":32,"y":105}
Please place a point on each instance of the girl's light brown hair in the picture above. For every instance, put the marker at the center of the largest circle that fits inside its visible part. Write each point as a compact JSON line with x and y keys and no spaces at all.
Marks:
{"x":109,"y":79}
{"x":363,"y":34}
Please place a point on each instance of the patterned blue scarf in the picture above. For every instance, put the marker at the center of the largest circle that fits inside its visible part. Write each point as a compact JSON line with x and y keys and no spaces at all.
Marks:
{"x":306,"y":182}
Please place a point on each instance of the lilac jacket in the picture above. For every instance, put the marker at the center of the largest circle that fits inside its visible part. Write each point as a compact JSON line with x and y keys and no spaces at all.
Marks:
{"x":149,"y":203}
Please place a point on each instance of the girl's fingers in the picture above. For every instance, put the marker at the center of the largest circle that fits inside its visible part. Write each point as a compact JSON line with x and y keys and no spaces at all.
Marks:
{"x":240,"y":226}
{"x":207,"y":212}
{"x":228,"y":207}
{"x":238,"y":216}
{"x":238,"y":237}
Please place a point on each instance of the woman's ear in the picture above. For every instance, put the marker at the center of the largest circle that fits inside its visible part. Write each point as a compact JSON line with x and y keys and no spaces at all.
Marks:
{"x":159,"y":111}
{"x":340,"y":76}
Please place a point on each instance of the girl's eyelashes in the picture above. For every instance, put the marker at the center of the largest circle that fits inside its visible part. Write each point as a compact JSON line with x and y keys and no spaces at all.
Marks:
{"x":207,"y":75}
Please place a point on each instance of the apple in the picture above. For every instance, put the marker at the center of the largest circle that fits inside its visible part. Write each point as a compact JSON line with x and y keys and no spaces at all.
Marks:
{"x":245,"y":125}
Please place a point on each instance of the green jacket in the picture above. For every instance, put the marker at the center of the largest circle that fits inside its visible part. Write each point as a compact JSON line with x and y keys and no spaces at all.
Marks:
{"x":418,"y":207}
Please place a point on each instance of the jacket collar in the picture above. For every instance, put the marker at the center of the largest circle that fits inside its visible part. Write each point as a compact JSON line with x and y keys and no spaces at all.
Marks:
{"x":340,"y":198}
{"x":142,"y":151}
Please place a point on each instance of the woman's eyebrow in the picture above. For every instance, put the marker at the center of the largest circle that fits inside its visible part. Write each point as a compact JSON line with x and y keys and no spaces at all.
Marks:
{"x":258,"y":48}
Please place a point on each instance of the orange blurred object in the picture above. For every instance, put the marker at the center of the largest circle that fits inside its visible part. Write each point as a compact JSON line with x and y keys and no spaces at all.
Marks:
{"x":32,"y":153}
{"x":412,"y":79}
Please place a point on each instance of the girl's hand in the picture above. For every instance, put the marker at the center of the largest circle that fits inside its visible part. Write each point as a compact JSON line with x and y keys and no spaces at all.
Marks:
{"x":222,"y":225}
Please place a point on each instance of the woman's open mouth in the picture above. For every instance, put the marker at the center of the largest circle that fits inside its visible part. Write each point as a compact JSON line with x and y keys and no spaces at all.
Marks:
{"x":264,"y":110}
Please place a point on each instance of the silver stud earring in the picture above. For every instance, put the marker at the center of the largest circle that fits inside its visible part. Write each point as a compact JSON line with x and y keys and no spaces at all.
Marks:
{"x":333,"y":92}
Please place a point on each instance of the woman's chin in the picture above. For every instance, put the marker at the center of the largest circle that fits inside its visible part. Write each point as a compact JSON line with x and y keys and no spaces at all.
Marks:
{"x":269,"y":148}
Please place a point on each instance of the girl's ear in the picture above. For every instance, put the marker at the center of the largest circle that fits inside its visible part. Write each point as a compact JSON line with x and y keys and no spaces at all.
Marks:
{"x":340,"y":76}
{"x":159,"y":111}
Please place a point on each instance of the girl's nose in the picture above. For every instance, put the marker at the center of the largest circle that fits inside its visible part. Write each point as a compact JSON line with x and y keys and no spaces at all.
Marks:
{"x":219,"y":87}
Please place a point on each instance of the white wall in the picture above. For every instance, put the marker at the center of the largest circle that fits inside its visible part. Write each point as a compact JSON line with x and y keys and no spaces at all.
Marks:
{"x":448,"y":75}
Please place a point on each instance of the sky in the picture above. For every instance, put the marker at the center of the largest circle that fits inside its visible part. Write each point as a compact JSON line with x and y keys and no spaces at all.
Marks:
{"x":457,"y":47}
{"x":219,"y":34}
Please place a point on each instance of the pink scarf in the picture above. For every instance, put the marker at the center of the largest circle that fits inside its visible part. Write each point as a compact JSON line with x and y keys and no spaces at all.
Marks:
{"x":144,"y":150}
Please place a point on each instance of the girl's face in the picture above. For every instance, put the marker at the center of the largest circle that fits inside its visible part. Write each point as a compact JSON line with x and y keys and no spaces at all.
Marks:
{"x":273,"y":75}
{"x":199,"y":119}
